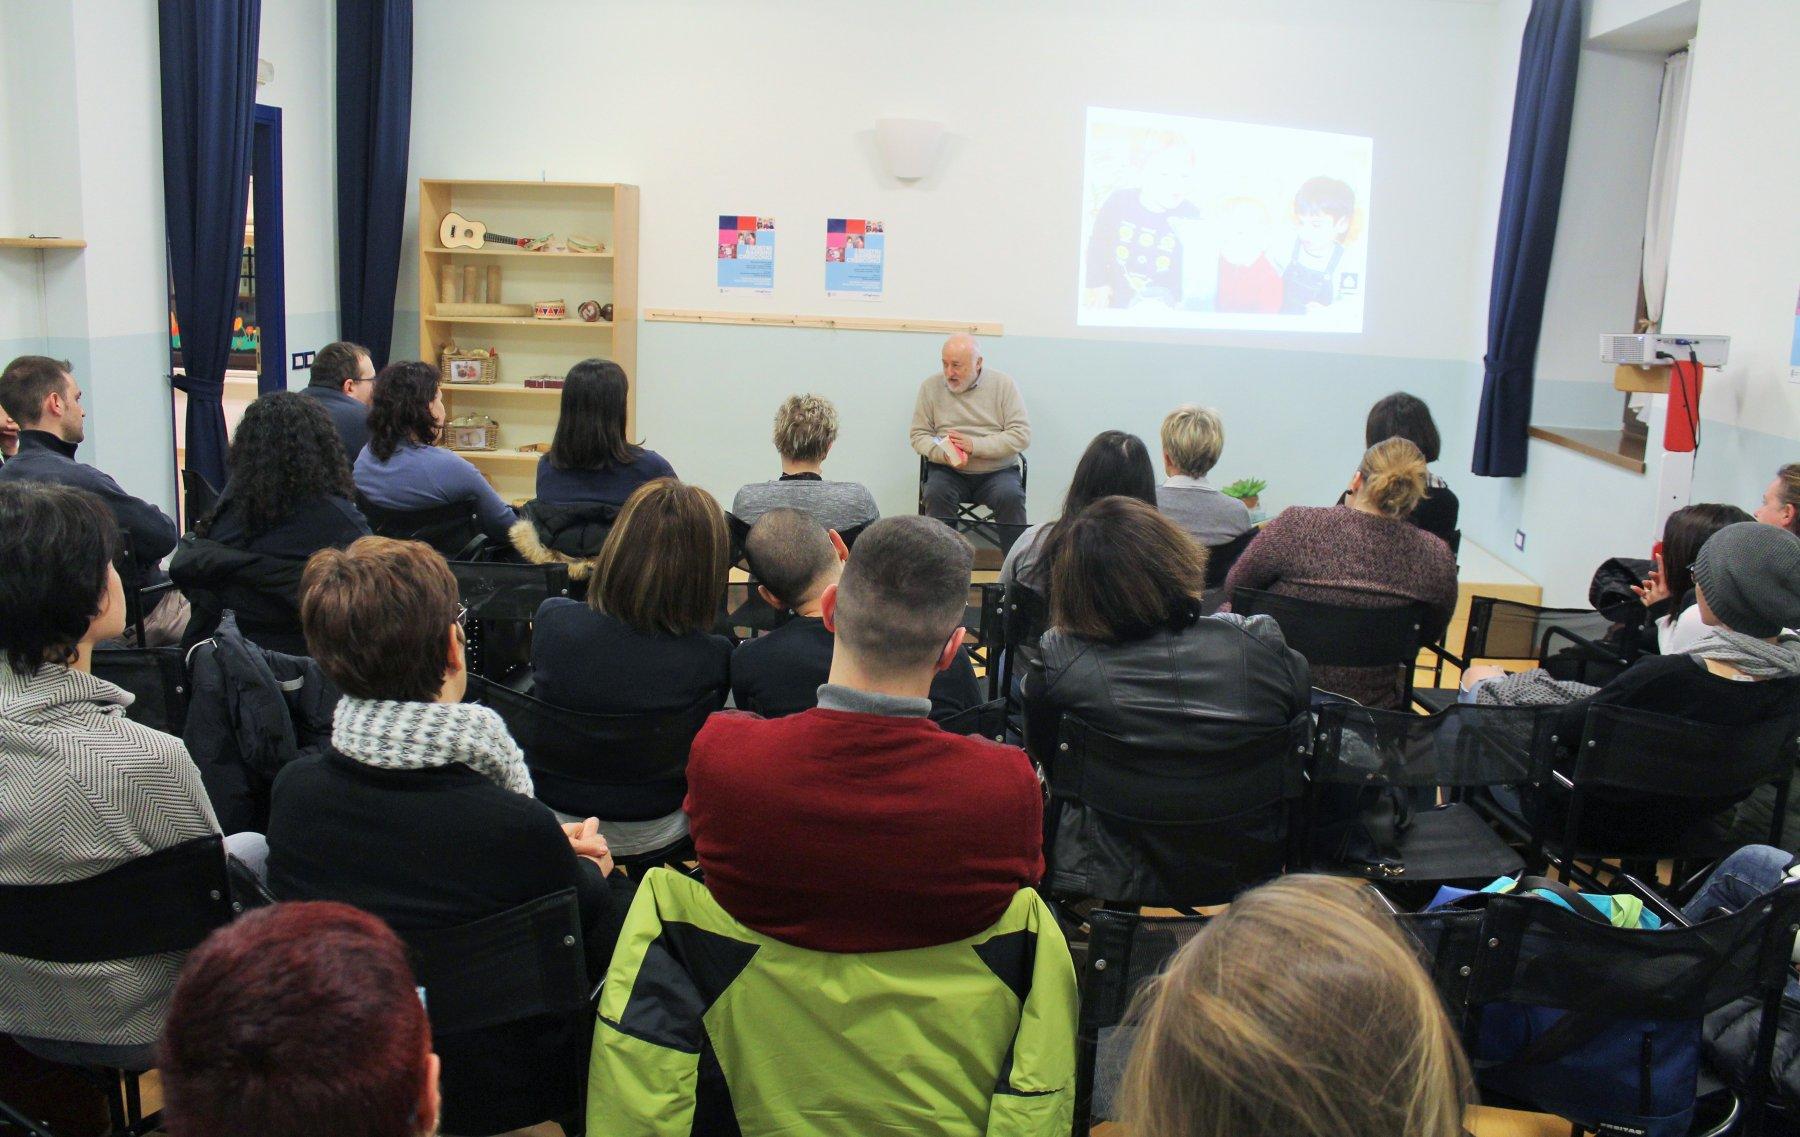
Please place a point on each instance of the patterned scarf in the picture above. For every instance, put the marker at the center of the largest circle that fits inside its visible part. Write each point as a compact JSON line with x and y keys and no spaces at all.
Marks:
{"x":417,"y":736}
{"x":1756,"y":658}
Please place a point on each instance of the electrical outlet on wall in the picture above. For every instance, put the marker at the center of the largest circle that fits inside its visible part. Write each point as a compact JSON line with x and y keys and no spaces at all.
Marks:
{"x":303,"y":360}
{"x":1519,"y":539}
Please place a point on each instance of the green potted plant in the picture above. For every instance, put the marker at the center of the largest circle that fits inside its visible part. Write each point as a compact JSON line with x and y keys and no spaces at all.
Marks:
{"x":1247,"y":490}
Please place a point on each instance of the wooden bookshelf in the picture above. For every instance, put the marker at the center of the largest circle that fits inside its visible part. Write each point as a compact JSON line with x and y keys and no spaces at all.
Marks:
{"x":607,"y":213}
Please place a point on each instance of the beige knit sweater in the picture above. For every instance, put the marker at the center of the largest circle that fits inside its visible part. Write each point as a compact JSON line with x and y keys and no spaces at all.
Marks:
{"x":991,"y":413}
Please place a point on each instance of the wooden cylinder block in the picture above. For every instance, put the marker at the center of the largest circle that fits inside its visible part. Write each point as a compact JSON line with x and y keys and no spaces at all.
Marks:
{"x":493,"y":284}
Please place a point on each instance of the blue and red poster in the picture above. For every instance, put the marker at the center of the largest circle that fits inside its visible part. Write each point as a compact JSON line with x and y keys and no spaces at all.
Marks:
{"x":746,"y":254}
{"x":855,"y":258}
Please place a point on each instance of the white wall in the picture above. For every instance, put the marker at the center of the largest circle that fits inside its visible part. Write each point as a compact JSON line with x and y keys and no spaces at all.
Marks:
{"x":776,"y":117}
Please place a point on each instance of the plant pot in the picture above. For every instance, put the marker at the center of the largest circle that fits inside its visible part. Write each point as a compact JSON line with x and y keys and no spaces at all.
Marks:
{"x":1252,"y":502}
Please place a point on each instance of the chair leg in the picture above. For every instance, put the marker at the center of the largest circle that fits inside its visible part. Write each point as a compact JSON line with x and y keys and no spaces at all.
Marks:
{"x":14,"y":1118}
{"x":134,"y":1102}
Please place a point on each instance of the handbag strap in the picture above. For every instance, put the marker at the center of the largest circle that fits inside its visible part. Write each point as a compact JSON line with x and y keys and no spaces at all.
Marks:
{"x":1575,"y":900}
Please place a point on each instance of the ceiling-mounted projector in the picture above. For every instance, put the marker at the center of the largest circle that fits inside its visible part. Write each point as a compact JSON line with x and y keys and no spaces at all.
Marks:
{"x":1654,"y":349}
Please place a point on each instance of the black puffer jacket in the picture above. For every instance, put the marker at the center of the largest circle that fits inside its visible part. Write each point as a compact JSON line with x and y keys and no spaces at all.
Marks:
{"x":1729,"y":1036}
{"x":1219,"y":687}
{"x":568,"y":534}
{"x":263,"y":590}
{"x":251,"y":712}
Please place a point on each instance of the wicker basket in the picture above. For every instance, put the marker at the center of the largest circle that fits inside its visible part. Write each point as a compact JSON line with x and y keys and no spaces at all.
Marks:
{"x":467,"y":368}
{"x":472,"y":432}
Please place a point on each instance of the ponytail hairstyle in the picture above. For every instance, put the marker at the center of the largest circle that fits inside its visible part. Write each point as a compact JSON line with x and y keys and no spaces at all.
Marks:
{"x":1393,"y":473}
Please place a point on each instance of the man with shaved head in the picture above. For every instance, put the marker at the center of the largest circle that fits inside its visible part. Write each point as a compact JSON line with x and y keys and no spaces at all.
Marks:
{"x":970,"y":424}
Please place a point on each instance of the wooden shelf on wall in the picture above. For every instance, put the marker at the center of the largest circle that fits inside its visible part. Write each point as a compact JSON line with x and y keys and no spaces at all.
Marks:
{"x":42,"y":243}
{"x":833,"y":323}
{"x":607,"y":213}
{"x":1610,"y":446}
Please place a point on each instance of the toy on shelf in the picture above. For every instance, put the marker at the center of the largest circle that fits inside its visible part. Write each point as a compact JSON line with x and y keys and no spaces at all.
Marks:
{"x":589,"y":310}
{"x":478,"y":367}
{"x":544,"y":382}
{"x":535,"y":448}
{"x":606,"y":311}
{"x":472,"y":432}
{"x":550,"y":310}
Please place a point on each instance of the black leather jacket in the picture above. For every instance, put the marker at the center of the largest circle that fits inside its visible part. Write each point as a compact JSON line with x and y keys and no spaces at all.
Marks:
{"x":1212,"y":685}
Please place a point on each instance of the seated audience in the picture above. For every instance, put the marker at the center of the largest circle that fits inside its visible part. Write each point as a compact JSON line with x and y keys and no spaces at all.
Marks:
{"x":43,"y":396}
{"x":642,"y":641}
{"x":1668,"y":593}
{"x":1406,"y":416}
{"x":1129,"y":653}
{"x":590,"y":460}
{"x":343,"y":383}
{"x":860,"y":825}
{"x":1114,"y":463}
{"x":1744,"y":670}
{"x":289,"y":496}
{"x":422,"y":812}
{"x":1192,"y":439}
{"x":796,"y":559}
{"x":1361,"y":554}
{"x":9,"y":437}
{"x":295,"y":1020}
{"x":1781,"y":500}
{"x":87,"y":789}
{"x":806,"y":426}
{"x":1236,"y":1040}
{"x":403,"y":467}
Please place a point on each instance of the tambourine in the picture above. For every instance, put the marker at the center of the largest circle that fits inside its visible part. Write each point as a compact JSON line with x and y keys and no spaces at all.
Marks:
{"x":550,"y":310}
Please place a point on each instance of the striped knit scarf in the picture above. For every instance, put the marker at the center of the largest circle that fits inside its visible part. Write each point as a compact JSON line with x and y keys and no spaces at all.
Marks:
{"x":417,"y":736}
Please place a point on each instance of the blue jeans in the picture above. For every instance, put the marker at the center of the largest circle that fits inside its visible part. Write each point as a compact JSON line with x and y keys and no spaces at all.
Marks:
{"x":1739,"y":880}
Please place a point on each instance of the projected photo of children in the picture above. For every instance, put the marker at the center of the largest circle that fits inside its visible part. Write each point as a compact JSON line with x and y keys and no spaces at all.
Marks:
{"x":1194,"y":223}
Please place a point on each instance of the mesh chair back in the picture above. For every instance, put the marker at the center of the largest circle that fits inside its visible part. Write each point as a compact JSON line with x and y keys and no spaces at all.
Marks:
{"x":506,"y":592}
{"x":1125,"y":951}
{"x":986,"y":720}
{"x":1220,"y":558}
{"x":1571,"y":642}
{"x":737,"y":532}
{"x":1330,"y":635}
{"x":1626,"y":749}
{"x":1465,"y":746}
{"x":1163,"y":827}
{"x":524,"y":962}
{"x":168,"y":900}
{"x":617,"y":767}
{"x":156,"y":677}
{"x":453,"y":529}
{"x":1449,"y":939}
{"x":1025,"y":616}
{"x":200,"y":495}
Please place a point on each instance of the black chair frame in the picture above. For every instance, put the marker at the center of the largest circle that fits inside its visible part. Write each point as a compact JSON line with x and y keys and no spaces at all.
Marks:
{"x":453,"y":529}
{"x":971,"y":519}
{"x":1332,"y":635}
{"x":495,"y":593}
{"x":157,"y":676}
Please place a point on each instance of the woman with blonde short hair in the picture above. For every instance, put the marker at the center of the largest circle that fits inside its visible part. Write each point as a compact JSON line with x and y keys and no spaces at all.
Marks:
{"x":1192,"y":439}
{"x":806,"y":427}
{"x":1301,"y":1011}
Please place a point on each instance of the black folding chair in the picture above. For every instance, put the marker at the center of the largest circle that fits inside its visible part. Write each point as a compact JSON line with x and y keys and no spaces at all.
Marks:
{"x":1647,"y":787}
{"x":987,"y":645}
{"x":501,"y":601}
{"x":1570,"y":643}
{"x":525,"y":967}
{"x":453,"y":529}
{"x":1024,"y":617}
{"x":156,"y":677}
{"x":986,"y":720}
{"x":1537,"y":953}
{"x":976,"y":520}
{"x":1220,"y":558}
{"x":140,"y":598}
{"x":165,"y":901}
{"x":1464,"y":748}
{"x":1331,"y":635}
{"x":1169,"y":828}
{"x":199,"y":494}
{"x":1124,"y":952}
{"x":614,"y":767}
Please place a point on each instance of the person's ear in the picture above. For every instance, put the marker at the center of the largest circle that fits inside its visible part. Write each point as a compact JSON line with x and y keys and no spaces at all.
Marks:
{"x":828,"y":607}
{"x":431,"y":1100}
{"x":951,"y":647}
{"x":837,"y":542}
{"x":348,"y":385}
{"x":1356,"y":483}
{"x":769,"y":598}
{"x":457,"y":661}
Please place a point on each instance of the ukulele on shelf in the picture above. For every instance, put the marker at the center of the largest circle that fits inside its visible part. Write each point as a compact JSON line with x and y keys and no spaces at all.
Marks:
{"x":458,"y":232}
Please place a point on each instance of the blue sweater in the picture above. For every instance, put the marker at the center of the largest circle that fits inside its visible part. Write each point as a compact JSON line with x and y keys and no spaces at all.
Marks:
{"x":612,"y":484}
{"x":423,"y":477}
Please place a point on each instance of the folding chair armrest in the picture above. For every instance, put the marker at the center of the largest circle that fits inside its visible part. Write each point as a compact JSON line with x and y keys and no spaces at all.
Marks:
{"x":156,"y":589}
{"x":1609,"y":654}
{"x":1562,"y":779}
{"x":1445,"y":654}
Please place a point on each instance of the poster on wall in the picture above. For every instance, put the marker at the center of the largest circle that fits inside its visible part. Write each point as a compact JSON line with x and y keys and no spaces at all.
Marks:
{"x":1794,"y":350}
{"x":746,"y":254}
{"x":855,"y":258}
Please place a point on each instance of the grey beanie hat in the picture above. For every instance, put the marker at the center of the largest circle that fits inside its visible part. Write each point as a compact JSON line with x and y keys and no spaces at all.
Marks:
{"x":1750,"y":575}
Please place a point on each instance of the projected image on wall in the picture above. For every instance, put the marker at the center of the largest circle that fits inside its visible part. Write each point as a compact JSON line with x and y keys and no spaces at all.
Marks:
{"x":1195,"y":223}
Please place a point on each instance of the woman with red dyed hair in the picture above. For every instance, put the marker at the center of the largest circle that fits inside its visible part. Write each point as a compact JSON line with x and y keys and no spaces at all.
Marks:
{"x":299,"y":1020}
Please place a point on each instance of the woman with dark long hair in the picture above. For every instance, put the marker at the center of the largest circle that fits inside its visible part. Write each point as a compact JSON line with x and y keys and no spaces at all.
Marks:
{"x":1668,"y":594}
{"x":1115,"y":464}
{"x":403,"y":467}
{"x":290,"y":492}
{"x":590,"y":458}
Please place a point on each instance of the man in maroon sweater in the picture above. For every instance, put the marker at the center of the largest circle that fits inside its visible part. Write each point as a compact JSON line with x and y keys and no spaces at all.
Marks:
{"x":860,"y":825}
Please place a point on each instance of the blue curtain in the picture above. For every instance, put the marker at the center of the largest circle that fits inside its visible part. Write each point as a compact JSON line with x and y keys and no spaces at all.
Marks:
{"x":374,"y":124}
{"x":271,"y":255}
{"x":1542,"y":104}
{"x":208,"y":106}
